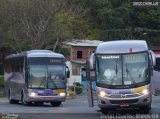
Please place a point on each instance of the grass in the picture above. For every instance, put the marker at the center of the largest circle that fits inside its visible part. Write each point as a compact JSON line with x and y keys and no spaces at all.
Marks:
{"x":2,"y":96}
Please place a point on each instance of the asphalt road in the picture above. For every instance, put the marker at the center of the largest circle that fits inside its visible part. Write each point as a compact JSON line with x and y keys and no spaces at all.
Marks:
{"x":77,"y":105}
{"x":71,"y":109}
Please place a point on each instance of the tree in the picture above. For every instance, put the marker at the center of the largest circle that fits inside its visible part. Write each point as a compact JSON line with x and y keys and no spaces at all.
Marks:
{"x":41,"y":24}
{"x":118,"y":19}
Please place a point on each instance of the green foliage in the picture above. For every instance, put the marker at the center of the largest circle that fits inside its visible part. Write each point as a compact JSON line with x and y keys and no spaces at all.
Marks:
{"x":1,"y":81}
{"x":77,"y":84}
{"x":147,"y":18}
{"x":71,"y":94}
{"x":65,"y":52}
{"x":114,"y":17}
{"x":41,"y":24}
{"x":62,"y":22}
{"x":77,"y":88}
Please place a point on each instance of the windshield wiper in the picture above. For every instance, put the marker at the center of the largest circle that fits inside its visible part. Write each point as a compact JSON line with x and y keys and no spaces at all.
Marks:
{"x":116,"y":71}
{"x":128,"y":72}
{"x":52,"y":80}
{"x":43,"y":81}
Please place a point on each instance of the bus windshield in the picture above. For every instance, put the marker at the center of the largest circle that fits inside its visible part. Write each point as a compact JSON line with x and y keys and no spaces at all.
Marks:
{"x":45,"y":74}
{"x":37,"y":76}
{"x":128,"y":69}
{"x":56,"y":76}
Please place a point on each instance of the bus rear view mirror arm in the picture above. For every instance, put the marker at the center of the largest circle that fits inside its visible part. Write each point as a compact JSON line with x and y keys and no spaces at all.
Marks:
{"x":67,"y":72}
{"x":153,"y":58}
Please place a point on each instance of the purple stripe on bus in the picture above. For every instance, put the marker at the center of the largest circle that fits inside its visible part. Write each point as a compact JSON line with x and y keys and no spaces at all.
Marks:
{"x":117,"y":91}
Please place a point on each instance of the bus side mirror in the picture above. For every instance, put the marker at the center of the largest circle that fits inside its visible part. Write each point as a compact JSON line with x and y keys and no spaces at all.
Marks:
{"x":153,"y":58}
{"x":92,"y":62}
{"x":67,"y":72}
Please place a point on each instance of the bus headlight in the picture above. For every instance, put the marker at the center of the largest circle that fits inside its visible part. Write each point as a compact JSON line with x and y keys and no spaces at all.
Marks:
{"x":33,"y":94}
{"x":102,"y":93}
{"x":62,"y":94}
{"x":145,"y":92}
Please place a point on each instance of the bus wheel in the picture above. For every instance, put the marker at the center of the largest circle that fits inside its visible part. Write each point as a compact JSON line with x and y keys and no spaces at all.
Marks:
{"x":104,"y":110}
{"x":11,"y":101}
{"x":55,"y":104}
{"x":22,"y":99}
{"x":38,"y":103}
{"x":24,"y":102}
{"x":146,"y":109}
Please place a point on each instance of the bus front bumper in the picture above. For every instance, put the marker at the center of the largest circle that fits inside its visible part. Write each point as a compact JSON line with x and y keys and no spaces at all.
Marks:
{"x":45,"y":98}
{"x":112,"y":103}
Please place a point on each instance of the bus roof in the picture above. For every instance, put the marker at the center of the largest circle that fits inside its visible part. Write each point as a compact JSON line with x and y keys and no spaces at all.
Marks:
{"x":37,"y":53}
{"x":122,"y":46}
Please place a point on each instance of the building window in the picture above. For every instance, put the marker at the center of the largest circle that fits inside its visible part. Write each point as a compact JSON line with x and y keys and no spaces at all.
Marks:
{"x":79,"y":54}
{"x":76,"y":69}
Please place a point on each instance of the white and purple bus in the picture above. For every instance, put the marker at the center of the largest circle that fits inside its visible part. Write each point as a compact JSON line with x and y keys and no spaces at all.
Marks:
{"x":36,"y":76}
{"x":123,"y":71}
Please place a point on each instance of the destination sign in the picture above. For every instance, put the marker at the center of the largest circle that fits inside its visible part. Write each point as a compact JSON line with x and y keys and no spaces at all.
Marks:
{"x":44,"y":61}
{"x":110,"y":57}
{"x":134,"y":58}
{"x":56,"y":61}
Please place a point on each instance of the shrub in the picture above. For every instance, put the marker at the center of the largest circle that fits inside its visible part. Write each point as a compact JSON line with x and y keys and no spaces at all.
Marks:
{"x":77,"y":87}
{"x":78,"y":90}
{"x":77,"y":84}
{"x":71,"y":94}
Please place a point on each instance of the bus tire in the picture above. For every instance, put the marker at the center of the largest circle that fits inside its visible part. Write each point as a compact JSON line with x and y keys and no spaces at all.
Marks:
{"x":11,"y":101}
{"x":38,"y":103}
{"x":104,"y":110}
{"x":146,"y":109}
{"x":23,"y":101}
{"x":55,"y":104}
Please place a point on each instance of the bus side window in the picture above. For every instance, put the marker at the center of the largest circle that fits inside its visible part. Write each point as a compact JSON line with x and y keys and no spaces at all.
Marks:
{"x":18,"y":65}
{"x":6,"y":68}
{"x":12,"y":66}
{"x":21,"y":65}
{"x":9,"y":65}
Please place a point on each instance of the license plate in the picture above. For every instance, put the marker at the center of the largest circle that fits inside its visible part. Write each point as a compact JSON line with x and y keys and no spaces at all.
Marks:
{"x":47,"y":98}
{"x":124,"y":105}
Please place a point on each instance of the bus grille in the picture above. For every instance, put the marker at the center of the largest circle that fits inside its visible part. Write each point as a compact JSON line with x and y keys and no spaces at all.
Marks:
{"x":126,"y":95}
{"x":123,"y":101}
